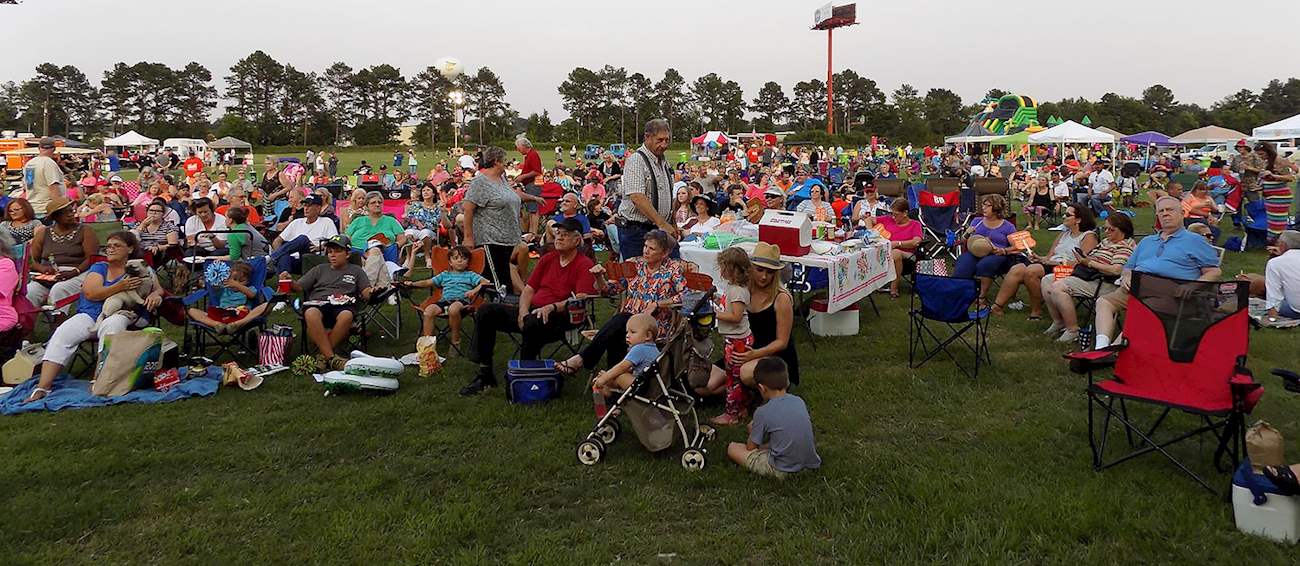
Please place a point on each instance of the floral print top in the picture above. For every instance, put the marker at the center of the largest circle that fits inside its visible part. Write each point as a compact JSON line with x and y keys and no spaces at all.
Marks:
{"x":663,"y":286}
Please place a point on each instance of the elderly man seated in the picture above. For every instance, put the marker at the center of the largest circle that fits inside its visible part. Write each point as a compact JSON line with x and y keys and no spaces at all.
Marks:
{"x":1280,"y":284}
{"x":542,"y":315}
{"x":1173,"y":252}
{"x":331,"y":292}
{"x":301,"y":236}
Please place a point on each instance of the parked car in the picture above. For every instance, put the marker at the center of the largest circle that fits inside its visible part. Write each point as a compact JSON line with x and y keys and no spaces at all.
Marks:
{"x":592,"y":152}
{"x":618,"y":149}
{"x":1209,"y":151}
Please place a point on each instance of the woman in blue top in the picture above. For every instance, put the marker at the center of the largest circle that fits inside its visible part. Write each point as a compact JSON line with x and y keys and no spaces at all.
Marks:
{"x":996,"y":228}
{"x":103,"y":280}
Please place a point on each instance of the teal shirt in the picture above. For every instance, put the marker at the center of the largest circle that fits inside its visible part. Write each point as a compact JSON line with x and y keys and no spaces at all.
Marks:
{"x":361,"y":230}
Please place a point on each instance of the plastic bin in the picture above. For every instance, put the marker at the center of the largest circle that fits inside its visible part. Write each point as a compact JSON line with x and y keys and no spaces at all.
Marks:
{"x":842,"y":323}
{"x":1260,"y":510}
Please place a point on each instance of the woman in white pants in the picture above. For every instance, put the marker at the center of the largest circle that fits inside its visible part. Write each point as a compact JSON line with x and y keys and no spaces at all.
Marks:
{"x":103,"y":280}
{"x":63,"y":253}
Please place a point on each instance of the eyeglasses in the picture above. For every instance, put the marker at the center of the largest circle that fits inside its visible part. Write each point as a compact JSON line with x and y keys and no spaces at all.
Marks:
{"x":114,"y":245}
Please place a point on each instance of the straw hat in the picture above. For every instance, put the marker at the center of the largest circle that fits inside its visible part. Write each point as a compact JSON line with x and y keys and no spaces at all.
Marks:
{"x":767,"y":255}
{"x":979,"y":246}
{"x":57,"y":203}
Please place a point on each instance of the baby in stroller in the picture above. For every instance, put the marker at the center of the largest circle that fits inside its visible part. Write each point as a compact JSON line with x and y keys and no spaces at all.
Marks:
{"x":641,"y":354}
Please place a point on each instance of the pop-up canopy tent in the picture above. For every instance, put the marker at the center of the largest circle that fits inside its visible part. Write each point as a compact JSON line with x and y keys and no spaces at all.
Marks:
{"x":1208,"y":134}
{"x":1070,"y":132}
{"x":130,"y":139}
{"x":69,"y":142}
{"x":717,"y":138}
{"x":1146,"y":138}
{"x":1018,"y":138}
{"x":1279,"y":130}
{"x":230,"y":143}
{"x":974,"y":133}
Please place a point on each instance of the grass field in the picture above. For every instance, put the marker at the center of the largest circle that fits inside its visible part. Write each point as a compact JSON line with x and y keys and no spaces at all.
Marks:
{"x":921,"y":466}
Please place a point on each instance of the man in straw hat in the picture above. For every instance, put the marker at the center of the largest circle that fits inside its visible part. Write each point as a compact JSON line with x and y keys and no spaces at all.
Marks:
{"x":42,"y":178}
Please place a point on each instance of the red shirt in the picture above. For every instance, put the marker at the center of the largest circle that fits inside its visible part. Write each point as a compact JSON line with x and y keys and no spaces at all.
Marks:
{"x":553,"y":283}
{"x":753,"y":155}
{"x":193,"y":166}
{"x":532,"y":164}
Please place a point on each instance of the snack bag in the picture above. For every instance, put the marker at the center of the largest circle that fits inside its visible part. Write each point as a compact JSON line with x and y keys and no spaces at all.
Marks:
{"x":426,"y":348}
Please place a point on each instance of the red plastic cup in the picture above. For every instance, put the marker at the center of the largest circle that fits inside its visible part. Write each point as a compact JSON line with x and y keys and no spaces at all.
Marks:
{"x":286,"y":285}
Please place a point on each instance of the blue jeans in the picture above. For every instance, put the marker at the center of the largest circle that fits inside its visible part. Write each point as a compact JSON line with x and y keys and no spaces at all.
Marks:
{"x":1098,"y":204}
{"x":1285,"y":310}
{"x":988,"y":266}
{"x":631,"y":240}
{"x":282,"y":257}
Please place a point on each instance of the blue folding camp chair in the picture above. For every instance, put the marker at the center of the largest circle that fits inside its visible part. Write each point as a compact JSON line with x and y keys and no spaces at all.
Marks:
{"x":203,"y":340}
{"x":949,"y":301}
{"x":939,"y":223}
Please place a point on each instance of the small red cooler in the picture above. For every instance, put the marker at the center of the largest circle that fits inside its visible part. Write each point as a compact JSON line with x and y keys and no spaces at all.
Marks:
{"x":790,"y":231}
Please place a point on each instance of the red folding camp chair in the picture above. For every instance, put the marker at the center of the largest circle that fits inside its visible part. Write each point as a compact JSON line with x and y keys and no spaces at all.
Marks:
{"x":1185,"y":349}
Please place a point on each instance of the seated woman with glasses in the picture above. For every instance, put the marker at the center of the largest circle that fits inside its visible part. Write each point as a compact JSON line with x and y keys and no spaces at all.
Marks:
{"x":1076,"y":241}
{"x":156,"y":233}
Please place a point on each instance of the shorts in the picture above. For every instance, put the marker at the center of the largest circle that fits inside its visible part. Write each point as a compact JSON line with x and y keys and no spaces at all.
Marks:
{"x":536,"y":191}
{"x":760,"y":462}
{"x":225,"y":315}
{"x":1081,"y":288}
{"x":329,"y":314}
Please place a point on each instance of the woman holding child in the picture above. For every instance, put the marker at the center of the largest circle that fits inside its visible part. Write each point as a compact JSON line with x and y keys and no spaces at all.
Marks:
{"x":103,"y":280}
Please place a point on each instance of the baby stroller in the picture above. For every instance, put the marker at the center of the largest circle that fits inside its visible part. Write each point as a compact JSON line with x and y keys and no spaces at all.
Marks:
{"x":659,"y":404}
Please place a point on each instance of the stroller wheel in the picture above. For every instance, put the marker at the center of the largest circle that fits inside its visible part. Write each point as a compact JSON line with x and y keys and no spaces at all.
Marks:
{"x":708,"y":432}
{"x":609,"y":432}
{"x":590,"y":452}
{"x":693,"y":460}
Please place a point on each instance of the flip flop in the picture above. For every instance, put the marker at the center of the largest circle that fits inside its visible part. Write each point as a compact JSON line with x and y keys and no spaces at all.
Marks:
{"x":1034,"y":317}
{"x":565,"y":368}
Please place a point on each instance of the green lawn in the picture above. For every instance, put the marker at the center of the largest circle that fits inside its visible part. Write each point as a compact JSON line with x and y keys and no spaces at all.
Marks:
{"x":921,"y":466}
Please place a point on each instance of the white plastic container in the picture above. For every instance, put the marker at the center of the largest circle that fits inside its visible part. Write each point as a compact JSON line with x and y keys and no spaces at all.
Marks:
{"x":1276,"y":518}
{"x":842,"y":323}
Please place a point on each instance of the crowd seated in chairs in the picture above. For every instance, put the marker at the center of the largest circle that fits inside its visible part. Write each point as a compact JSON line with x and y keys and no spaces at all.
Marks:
{"x":905,"y":238}
{"x":1093,"y":275}
{"x":993,"y":225}
{"x":1076,"y":241}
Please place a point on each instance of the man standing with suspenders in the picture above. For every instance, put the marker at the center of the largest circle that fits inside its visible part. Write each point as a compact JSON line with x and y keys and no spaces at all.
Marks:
{"x":647,"y":192}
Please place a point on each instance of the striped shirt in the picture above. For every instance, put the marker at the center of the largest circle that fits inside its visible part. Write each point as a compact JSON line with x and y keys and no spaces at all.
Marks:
{"x":637,"y":179}
{"x":1112,"y":253}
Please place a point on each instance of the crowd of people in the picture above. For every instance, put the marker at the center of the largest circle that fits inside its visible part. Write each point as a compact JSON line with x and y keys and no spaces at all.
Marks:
{"x":284,"y":224}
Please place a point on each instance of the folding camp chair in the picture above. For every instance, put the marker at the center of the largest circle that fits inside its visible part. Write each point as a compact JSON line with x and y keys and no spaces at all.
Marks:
{"x":939,"y":223}
{"x":367,"y":314}
{"x":1163,"y":364}
{"x":203,"y":340}
{"x":946,"y":300}
{"x":442,"y":262}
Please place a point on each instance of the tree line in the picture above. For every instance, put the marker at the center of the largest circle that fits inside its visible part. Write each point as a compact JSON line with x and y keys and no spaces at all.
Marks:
{"x":272,"y":103}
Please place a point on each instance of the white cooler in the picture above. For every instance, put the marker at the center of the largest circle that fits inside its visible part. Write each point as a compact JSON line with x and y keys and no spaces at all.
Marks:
{"x":1270,"y":515}
{"x":842,"y":323}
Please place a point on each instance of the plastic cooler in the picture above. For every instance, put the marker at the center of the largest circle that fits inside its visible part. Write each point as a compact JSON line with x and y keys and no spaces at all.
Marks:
{"x":790,"y":231}
{"x":1260,"y":510}
{"x":842,"y":323}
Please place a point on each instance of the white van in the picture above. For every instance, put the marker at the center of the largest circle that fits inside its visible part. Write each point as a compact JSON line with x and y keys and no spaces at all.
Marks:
{"x":183,"y":146}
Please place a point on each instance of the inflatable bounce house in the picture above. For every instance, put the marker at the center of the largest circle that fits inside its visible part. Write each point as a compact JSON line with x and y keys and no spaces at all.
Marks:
{"x":1008,"y":115}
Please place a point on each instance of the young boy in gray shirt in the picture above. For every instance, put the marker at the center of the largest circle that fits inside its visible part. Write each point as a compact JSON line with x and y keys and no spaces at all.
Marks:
{"x":780,"y":436}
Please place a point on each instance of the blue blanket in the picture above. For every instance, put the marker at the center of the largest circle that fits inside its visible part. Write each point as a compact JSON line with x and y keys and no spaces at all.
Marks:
{"x":72,"y":393}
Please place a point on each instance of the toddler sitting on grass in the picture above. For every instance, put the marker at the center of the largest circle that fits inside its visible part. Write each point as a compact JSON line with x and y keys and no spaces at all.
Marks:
{"x":780,"y":436}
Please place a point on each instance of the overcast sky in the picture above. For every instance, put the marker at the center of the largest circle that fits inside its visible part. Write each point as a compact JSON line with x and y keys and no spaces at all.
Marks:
{"x":1203,"y":50}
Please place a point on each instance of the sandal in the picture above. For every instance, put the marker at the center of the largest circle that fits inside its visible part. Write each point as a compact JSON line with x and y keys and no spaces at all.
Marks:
{"x":1283,"y":478}
{"x":564,"y":368}
{"x":337,"y":363}
{"x":725,"y":419}
{"x":994,"y":308}
{"x":43,"y":391}
{"x":1034,"y":317}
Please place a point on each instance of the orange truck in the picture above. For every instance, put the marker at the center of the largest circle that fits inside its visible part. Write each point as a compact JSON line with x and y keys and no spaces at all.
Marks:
{"x":14,"y":163}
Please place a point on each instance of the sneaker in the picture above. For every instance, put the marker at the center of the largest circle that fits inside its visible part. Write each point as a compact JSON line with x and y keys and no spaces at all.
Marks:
{"x":1054,"y":329}
{"x":725,"y":419}
{"x":392,"y":299}
{"x":278,"y":307}
{"x":475,"y":387}
{"x":1068,"y":336}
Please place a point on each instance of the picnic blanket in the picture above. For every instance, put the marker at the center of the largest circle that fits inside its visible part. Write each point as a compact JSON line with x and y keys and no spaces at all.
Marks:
{"x":72,"y":393}
{"x":1258,"y":311}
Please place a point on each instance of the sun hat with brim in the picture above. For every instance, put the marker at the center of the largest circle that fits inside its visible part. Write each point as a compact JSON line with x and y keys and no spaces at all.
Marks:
{"x":766,"y":255}
{"x":979,"y":246}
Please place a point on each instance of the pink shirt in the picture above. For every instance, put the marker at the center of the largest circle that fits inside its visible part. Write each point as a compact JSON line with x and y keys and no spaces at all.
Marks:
{"x":8,"y":281}
{"x":900,"y":233}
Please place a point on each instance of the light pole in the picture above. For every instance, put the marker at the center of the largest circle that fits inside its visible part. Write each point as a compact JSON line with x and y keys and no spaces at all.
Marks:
{"x":457,"y":99}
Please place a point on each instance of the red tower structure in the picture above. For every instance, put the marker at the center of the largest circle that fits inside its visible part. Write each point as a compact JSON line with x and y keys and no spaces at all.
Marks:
{"x":828,"y":18}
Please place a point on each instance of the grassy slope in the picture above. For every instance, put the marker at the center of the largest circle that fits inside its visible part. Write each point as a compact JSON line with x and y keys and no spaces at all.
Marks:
{"x":920,"y":466}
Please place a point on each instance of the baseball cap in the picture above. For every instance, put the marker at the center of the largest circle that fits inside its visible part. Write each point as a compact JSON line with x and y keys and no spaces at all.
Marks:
{"x":115,"y":179}
{"x":339,"y":241}
{"x":773,"y":192}
{"x":47,"y":142}
{"x":569,"y":225}
{"x":313,"y":199}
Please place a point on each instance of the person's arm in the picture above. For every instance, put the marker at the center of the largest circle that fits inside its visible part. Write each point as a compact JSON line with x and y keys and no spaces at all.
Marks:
{"x":89,"y":248}
{"x":734,"y":312}
{"x":620,"y":368}
{"x":1272,"y":287}
{"x":242,"y":288}
{"x":525,"y":303}
{"x":468,"y":208}
{"x":647,"y":209}
{"x":1210,"y":273}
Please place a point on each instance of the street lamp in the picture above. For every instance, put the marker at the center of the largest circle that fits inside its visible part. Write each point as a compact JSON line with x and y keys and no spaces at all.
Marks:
{"x":457,"y":99}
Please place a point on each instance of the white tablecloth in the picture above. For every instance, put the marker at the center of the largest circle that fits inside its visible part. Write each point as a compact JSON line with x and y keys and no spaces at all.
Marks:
{"x":850,"y":277}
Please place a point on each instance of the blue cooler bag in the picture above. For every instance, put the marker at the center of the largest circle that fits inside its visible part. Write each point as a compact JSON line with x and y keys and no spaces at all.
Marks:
{"x":532,"y":382}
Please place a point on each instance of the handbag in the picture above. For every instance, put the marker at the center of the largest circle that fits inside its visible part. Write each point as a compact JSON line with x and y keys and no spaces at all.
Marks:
{"x":1086,"y":273}
{"x":127,"y":360}
{"x":272,"y":344}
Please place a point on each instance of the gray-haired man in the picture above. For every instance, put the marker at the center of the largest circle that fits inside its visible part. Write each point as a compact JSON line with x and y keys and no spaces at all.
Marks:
{"x":647,"y":192}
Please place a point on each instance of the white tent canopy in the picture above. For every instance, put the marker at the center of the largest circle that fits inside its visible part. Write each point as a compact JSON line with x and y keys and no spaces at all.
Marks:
{"x":1070,"y":132}
{"x":1279,"y":130}
{"x":130,"y":139}
{"x":1207,"y":134}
